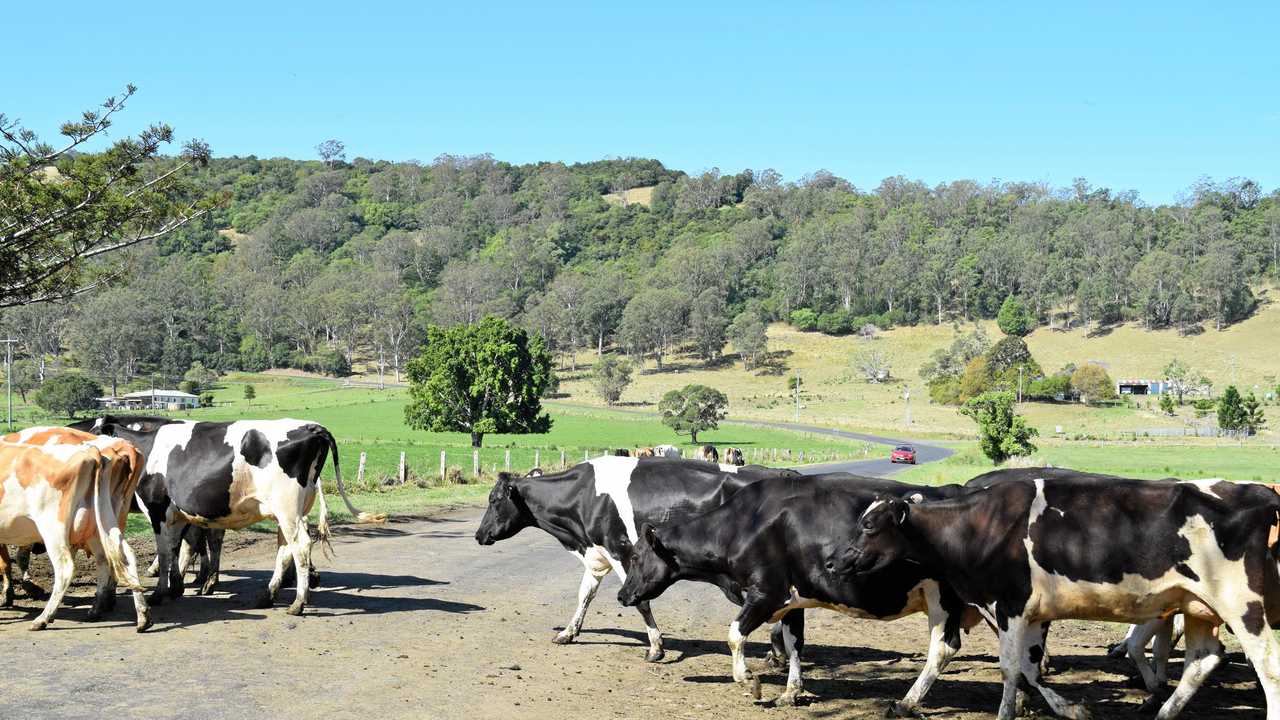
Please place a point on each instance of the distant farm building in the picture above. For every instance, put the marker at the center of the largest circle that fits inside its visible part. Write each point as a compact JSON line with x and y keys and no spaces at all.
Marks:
{"x":1142,"y":387}
{"x":151,"y":400}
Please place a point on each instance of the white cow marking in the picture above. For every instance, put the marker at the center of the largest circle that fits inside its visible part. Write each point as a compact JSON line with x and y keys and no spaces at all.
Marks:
{"x":875,"y":504}
{"x":613,"y":477}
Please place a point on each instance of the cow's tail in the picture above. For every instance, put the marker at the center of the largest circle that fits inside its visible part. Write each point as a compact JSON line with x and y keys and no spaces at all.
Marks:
{"x":109,"y":531}
{"x":363,"y":517}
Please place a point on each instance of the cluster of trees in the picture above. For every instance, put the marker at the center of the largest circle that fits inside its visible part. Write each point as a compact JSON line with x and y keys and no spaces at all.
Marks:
{"x":323,"y":264}
{"x":1240,"y":413}
{"x":972,"y":366}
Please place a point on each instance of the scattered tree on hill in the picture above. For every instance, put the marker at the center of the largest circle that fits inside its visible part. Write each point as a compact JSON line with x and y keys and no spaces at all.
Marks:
{"x":1093,"y":383}
{"x":611,"y":375}
{"x":947,"y":366}
{"x":69,"y":394}
{"x":693,"y":409}
{"x":750,"y":337}
{"x":1231,"y":412}
{"x":653,"y":320}
{"x":975,"y":381}
{"x":1252,"y":416}
{"x":61,"y":207}
{"x":200,"y":377}
{"x":707,"y":323}
{"x":1183,"y":379}
{"x":25,"y":377}
{"x":332,"y":151}
{"x":482,"y":378}
{"x":872,"y":365}
{"x":1002,"y":433}
{"x":249,"y":394}
{"x":1166,"y":403}
{"x":1014,"y":318}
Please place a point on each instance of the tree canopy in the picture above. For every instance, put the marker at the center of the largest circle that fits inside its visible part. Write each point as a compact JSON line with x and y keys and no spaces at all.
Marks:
{"x":693,"y":409}
{"x":1002,"y":433}
{"x":61,"y":207}
{"x":483,"y":378}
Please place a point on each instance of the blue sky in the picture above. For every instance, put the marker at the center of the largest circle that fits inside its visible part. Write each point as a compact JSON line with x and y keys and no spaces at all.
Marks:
{"x":1143,"y":96}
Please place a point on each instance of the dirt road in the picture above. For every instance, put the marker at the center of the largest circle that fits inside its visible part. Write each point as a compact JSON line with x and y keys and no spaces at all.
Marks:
{"x":414,"y":620}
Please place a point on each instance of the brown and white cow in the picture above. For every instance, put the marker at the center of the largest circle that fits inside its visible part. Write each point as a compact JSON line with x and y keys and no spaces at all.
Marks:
{"x":122,"y":476}
{"x":60,"y":495}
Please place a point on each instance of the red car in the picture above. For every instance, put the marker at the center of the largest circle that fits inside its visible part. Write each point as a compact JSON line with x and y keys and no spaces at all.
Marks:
{"x":903,"y":454}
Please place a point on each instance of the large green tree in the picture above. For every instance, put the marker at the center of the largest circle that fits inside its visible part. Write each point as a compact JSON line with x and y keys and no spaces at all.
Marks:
{"x":483,"y":378}
{"x":1002,"y":433}
{"x":692,"y":409}
{"x":69,"y":394}
{"x":61,"y":207}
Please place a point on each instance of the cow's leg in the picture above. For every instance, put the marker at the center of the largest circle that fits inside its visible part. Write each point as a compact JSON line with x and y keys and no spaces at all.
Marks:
{"x":777,"y":655}
{"x":1118,"y":650}
{"x":793,"y":637}
{"x":142,"y":610}
{"x":1029,"y":658}
{"x":655,"y":652}
{"x":755,"y":612}
{"x":1261,"y":647}
{"x":6,"y":578}
{"x":1168,"y":635}
{"x":33,"y":591}
{"x":300,"y":548}
{"x":283,"y":555}
{"x":1136,"y":646}
{"x":64,"y":567}
{"x":944,"y":643}
{"x":1204,"y":652}
{"x":213,"y":548}
{"x":592,"y":574}
{"x":104,"y":598}
{"x":169,"y":581}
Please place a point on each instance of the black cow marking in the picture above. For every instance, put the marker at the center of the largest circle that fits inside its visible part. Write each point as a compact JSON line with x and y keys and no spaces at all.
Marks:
{"x":1187,"y":571}
{"x":1255,"y":618}
{"x":255,"y":449}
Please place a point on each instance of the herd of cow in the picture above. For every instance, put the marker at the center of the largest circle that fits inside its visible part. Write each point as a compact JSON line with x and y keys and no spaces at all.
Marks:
{"x":1018,"y":548}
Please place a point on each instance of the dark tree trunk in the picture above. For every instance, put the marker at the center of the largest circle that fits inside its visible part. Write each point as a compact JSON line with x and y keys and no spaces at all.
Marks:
{"x":476,"y":438}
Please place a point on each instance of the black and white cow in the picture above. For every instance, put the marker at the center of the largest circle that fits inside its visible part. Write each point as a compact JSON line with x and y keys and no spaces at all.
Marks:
{"x":1164,"y":631}
{"x":594,"y":509}
{"x":1028,"y":552}
{"x":227,"y":476}
{"x":766,"y":548}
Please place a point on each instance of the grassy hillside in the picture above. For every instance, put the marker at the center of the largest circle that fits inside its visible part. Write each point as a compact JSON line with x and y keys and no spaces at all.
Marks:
{"x":834,"y":395}
{"x":639,"y":196}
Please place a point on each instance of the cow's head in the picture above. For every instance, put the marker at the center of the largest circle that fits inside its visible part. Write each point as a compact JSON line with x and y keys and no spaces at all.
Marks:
{"x":880,"y":540}
{"x":507,"y":513}
{"x":653,"y":568}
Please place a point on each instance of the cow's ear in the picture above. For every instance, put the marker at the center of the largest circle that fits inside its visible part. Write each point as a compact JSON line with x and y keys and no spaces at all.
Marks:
{"x":900,"y":511}
{"x":650,"y":534}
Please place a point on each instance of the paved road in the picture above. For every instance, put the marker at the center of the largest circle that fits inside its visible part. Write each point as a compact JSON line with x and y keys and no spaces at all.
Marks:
{"x":880,"y":466}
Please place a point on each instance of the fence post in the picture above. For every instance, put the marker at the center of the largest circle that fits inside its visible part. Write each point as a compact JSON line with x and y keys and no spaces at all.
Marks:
{"x":403,"y":474}
{"x":360,"y":469}
{"x":507,"y":460}
{"x":801,"y":457}
{"x":442,"y":465}
{"x":586,"y":455}
{"x":537,"y":458}
{"x":562,"y":458}
{"x":475,"y":463}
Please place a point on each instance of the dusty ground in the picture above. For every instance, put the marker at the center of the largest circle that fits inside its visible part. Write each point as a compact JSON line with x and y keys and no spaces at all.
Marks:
{"x":414,"y":620}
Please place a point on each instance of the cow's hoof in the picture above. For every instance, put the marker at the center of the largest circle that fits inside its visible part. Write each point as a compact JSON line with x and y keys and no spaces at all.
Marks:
{"x":774,"y":660}
{"x":208,"y":586}
{"x":1117,"y":651}
{"x":788,"y":697}
{"x":655,"y":655}
{"x":313,"y":579}
{"x":39,"y":625}
{"x":7,"y":602}
{"x":144,"y":623}
{"x":563,"y":638}
{"x":899,"y":709}
{"x":95,"y":614}
{"x":262,"y":601}
{"x":176,"y":588}
{"x":753,"y":687}
{"x":295,"y":609}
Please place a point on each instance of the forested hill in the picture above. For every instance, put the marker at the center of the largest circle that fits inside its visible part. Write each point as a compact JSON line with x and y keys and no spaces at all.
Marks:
{"x":316,"y":264}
